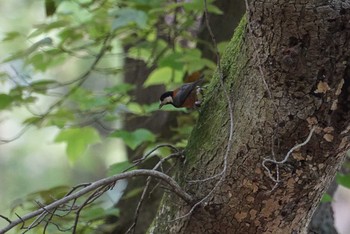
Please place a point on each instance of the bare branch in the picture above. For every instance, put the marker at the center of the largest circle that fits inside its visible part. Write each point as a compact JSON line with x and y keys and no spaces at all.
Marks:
{"x":95,"y":185}
{"x":137,"y":211}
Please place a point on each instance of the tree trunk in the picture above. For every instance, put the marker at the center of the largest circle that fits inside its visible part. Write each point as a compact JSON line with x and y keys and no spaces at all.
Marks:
{"x":301,"y":49}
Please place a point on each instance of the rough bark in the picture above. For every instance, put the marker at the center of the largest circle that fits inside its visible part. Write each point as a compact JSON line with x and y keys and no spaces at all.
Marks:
{"x":302,"y":48}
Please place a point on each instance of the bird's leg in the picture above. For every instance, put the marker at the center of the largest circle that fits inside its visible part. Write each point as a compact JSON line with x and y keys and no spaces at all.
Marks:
{"x":199,"y":96}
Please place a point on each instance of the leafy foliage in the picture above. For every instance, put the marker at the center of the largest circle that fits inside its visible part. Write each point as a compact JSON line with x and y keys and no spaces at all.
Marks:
{"x":135,"y":138}
{"x":343,"y":180}
{"x":78,"y":31}
{"x":77,"y":140}
{"x":73,"y":66}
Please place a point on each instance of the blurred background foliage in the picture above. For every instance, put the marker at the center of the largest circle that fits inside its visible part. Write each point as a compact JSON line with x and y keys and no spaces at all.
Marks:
{"x":79,"y":88}
{"x":72,"y":96}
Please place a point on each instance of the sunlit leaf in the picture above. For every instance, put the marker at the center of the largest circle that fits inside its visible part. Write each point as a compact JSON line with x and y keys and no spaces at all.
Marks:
{"x":121,"y":88}
{"x":24,"y":53}
{"x":198,"y":5}
{"x":11,"y":36}
{"x":32,"y":120}
{"x":77,"y":140}
{"x":163,"y":75}
{"x":117,"y":168}
{"x":172,"y":60}
{"x":39,"y":61}
{"x":5,"y":101}
{"x":60,"y":118}
{"x":127,"y":16}
{"x":41,"y":29}
{"x":135,"y":108}
{"x":17,"y":55}
{"x":41,"y":86}
{"x":87,"y":100}
{"x":135,"y":138}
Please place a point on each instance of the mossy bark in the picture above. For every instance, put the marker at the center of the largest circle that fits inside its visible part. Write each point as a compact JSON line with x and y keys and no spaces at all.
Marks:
{"x":302,"y":50}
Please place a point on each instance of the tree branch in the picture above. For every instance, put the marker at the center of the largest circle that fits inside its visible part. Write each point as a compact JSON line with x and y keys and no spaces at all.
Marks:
{"x":95,"y":185}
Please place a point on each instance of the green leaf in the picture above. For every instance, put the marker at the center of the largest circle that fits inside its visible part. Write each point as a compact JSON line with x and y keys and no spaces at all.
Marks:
{"x":127,"y":16}
{"x":198,"y":5}
{"x":50,"y":7}
{"x":135,"y":108}
{"x":343,"y":180}
{"x":11,"y":36}
{"x":122,"y":88}
{"x":172,"y":60}
{"x":214,"y":9}
{"x":5,"y":101}
{"x":41,"y":86}
{"x":87,"y":100}
{"x":135,"y":138}
{"x":60,"y":118}
{"x":163,"y":75}
{"x":326,"y":198}
{"x":24,"y":53}
{"x":117,"y":168}
{"x":46,"y":27}
{"x":39,"y":61}
{"x":33,"y":120}
{"x":48,"y":195}
{"x":194,"y":61}
{"x":77,"y":140}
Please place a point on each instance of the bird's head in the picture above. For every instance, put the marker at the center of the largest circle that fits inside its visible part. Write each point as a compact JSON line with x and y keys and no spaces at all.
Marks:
{"x":166,"y":98}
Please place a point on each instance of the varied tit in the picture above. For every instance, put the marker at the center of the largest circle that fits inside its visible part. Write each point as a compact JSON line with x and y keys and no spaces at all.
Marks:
{"x":185,"y":96}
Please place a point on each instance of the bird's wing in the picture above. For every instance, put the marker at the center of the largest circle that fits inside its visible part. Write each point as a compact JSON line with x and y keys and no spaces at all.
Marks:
{"x":183,"y":92}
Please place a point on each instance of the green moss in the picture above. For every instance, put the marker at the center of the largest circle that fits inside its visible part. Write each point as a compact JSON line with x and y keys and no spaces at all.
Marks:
{"x":214,"y":111}
{"x":214,"y":114}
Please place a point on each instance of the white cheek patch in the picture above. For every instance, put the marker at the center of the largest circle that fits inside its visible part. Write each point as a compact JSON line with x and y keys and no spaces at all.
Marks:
{"x":168,"y":100}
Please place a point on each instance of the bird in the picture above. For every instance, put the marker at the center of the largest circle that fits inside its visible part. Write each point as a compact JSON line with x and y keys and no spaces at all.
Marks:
{"x":185,"y":96}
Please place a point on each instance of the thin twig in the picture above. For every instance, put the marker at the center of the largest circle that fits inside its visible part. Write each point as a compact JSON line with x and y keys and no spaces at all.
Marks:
{"x":141,"y":160}
{"x":276,"y":180}
{"x":131,"y":229}
{"x":7,"y":219}
{"x":137,"y":211}
{"x":267,"y":88}
{"x":96,"y":194}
